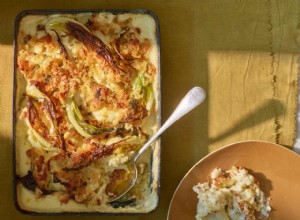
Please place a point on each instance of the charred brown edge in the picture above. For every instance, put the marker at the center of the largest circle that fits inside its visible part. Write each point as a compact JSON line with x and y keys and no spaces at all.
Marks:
{"x":91,"y":42}
{"x":28,"y":181}
{"x":51,"y":110}
{"x":33,"y":114}
{"x":61,"y":45}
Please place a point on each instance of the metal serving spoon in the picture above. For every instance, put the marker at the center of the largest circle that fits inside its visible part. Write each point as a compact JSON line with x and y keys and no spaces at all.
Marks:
{"x":192,"y":99}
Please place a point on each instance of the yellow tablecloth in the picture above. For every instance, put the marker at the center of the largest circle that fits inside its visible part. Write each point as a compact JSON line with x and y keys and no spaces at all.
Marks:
{"x":243,"y":53}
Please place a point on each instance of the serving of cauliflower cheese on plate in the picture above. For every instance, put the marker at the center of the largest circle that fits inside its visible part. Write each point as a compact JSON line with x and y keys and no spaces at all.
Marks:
{"x":232,"y":194}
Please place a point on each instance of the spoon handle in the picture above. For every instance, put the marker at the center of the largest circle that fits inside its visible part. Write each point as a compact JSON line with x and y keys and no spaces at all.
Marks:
{"x":192,"y":99}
